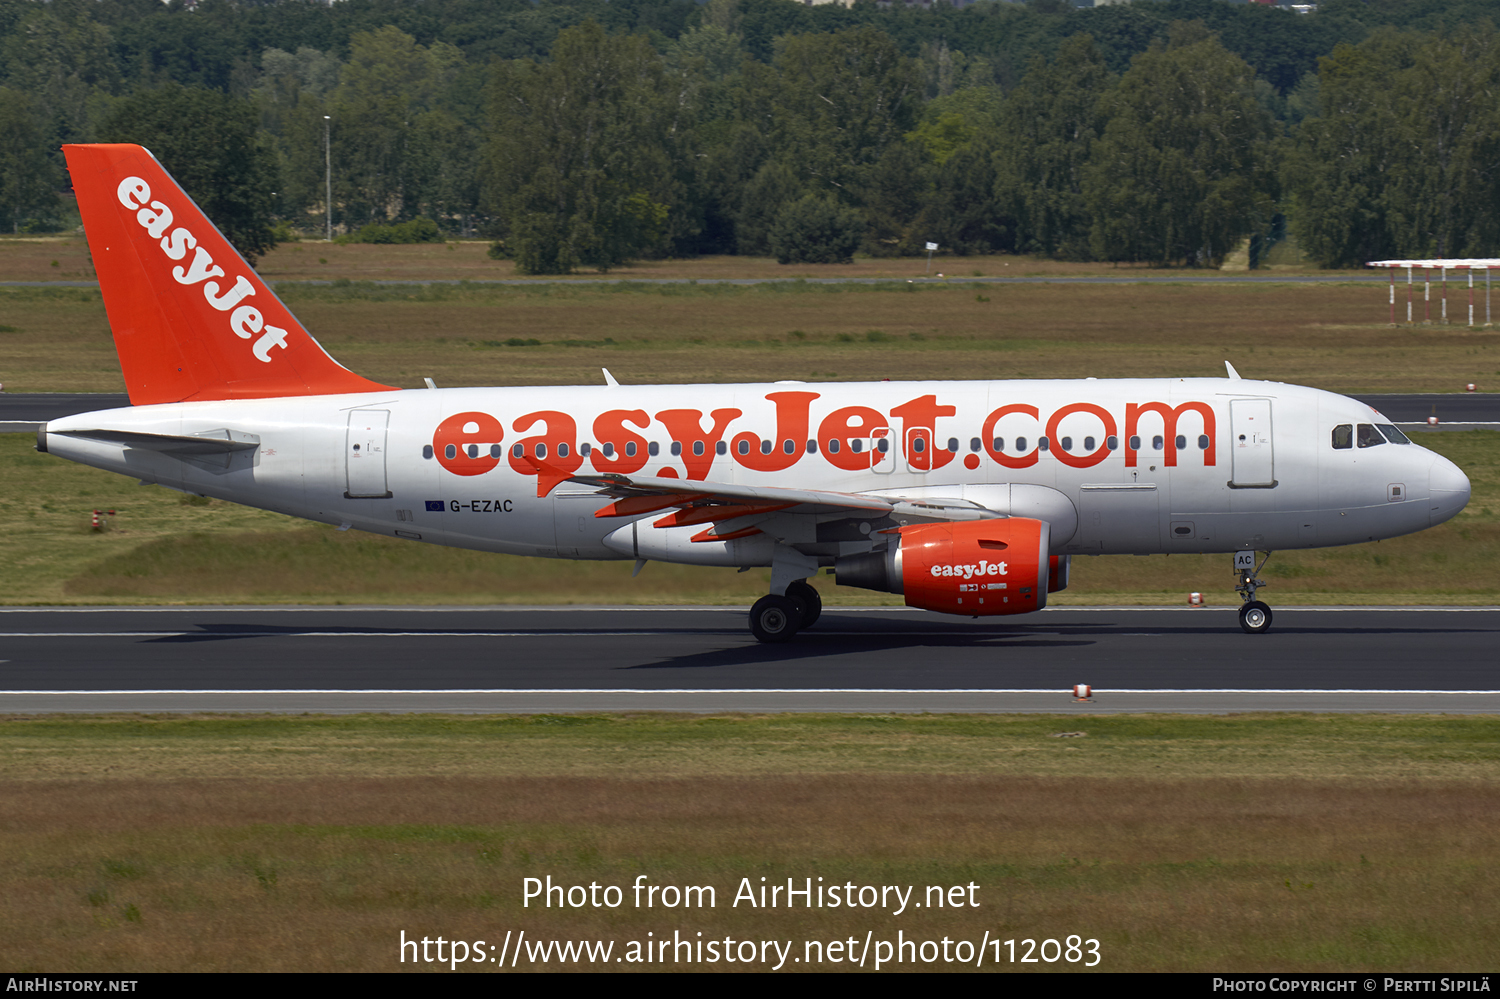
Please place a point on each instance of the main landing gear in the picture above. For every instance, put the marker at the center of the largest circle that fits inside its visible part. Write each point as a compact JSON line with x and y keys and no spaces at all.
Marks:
{"x":1255,"y":616}
{"x":776,"y":618}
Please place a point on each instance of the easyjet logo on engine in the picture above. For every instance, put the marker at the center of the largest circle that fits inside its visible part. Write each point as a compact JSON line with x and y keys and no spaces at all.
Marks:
{"x":245,"y":321}
{"x":970,"y":571}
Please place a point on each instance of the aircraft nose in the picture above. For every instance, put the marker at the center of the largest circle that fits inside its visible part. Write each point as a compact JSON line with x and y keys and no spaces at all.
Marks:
{"x":1449,"y":488}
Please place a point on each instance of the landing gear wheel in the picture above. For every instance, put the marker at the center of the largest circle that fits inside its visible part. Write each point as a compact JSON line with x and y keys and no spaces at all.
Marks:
{"x":775,"y":618}
{"x":812,"y":603}
{"x":1255,"y":618}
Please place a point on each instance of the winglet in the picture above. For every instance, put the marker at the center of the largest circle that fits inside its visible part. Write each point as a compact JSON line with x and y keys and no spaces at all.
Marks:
{"x":1232,"y":374}
{"x":191,"y":319}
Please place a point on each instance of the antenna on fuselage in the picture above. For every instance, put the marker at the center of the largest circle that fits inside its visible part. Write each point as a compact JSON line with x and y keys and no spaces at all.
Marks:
{"x":609,"y":379}
{"x":1233,"y":374}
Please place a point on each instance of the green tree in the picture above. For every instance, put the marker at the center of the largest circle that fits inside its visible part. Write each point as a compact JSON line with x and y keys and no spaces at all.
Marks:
{"x":386,"y":112}
{"x":29,"y":180}
{"x":63,"y":60}
{"x":209,"y":142}
{"x":1185,"y":168}
{"x":1404,"y":157}
{"x":816,"y":229}
{"x":773,"y":187}
{"x":584,"y":163}
{"x":1048,"y":128}
{"x":841,"y":101}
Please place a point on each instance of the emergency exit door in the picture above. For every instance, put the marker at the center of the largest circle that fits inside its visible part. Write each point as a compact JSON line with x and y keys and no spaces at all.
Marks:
{"x":1253,"y":463}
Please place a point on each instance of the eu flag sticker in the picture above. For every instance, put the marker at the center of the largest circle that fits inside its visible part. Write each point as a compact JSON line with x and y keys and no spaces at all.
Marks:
{"x":434,"y":506}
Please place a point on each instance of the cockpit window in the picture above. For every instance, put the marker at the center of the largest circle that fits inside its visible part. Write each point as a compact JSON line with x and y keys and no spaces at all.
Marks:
{"x":1343,"y":436}
{"x":1392,"y":434}
{"x":1368,"y":436}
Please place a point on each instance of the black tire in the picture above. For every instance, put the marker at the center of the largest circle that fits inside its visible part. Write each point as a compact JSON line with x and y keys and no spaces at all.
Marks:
{"x":775,"y":618}
{"x":812,"y":603}
{"x":1255,"y":618}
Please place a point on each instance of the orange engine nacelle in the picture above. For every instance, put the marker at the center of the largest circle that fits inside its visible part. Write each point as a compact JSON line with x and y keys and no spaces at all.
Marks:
{"x":976,"y":567}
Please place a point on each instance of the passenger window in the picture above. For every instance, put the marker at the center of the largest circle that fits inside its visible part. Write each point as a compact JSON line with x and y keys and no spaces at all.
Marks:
{"x":496,"y":450}
{"x":833,"y":445}
{"x":1088,"y":444}
{"x":857,"y":445}
{"x":1156,"y":442}
{"x":1135,"y":442}
{"x":653,"y":449}
{"x":1181,"y":442}
{"x":519,"y":450}
{"x":953,"y":445}
{"x":697,"y":447}
{"x":1203,"y":442}
{"x":562,"y":450}
{"x":1343,"y":436}
{"x":721,"y":448}
{"x":765,"y":447}
{"x":789,"y":446}
{"x":884,"y":444}
{"x":975,"y":444}
{"x":1067,"y":443}
{"x":812,"y":447}
{"x":676,"y":448}
{"x":744,"y":447}
{"x":630,"y":449}
{"x":609,"y":449}
{"x":1020,"y":445}
{"x":473,"y":450}
{"x":451,"y":451}
{"x":1368,"y":436}
{"x":919,"y":445}
{"x":541,"y":451}
{"x":585,"y":448}
{"x":1112,"y":442}
{"x":1000,"y":443}
{"x":1044,"y":443}
{"x":1392,"y":434}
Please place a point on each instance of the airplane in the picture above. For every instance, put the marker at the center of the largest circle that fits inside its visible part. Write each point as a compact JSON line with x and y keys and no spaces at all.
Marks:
{"x":966,"y":497}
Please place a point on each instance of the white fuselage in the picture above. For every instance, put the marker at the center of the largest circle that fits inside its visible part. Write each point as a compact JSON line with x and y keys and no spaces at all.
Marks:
{"x":1128,"y":466}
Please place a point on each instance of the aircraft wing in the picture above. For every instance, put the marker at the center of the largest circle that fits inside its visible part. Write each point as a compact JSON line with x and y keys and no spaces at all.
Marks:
{"x":719,"y":502}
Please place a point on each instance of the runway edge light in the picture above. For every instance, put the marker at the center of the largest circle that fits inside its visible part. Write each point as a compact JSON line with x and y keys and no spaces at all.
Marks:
{"x":1082,"y":692}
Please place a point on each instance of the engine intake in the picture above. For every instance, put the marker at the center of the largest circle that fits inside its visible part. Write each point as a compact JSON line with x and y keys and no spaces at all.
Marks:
{"x":977,"y":567}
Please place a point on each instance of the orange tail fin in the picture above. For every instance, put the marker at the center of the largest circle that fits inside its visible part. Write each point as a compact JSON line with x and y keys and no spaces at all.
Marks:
{"x":191,"y":320}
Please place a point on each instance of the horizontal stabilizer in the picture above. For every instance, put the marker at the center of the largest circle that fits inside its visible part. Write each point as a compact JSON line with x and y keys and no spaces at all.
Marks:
{"x":210,"y":442}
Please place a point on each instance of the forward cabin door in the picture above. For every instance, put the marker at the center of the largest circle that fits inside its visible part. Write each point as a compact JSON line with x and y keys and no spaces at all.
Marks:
{"x":364,"y":454}
{"x":1253,"y":462}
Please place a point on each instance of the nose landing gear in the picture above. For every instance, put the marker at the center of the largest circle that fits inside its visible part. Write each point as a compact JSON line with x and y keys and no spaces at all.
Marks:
{"x":1255,"y":616}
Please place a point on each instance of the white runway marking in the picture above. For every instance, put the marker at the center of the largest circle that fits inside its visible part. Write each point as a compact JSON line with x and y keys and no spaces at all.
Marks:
{"x":747,"y":690}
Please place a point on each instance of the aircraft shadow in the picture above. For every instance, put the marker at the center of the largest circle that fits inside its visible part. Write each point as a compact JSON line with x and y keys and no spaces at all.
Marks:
{"x":812,"y":645}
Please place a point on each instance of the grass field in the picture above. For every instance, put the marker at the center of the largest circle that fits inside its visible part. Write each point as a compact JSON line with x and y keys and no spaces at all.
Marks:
{"x":1288,"y":843}
{"x":1330,"y":336}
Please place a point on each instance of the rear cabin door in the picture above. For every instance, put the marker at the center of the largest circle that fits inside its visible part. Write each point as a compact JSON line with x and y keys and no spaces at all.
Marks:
{"x":364,"y":454}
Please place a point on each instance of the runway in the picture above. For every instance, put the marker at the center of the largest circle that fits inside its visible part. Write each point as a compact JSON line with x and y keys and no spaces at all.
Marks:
{"x":333,"y":659}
